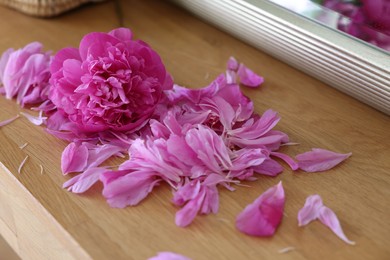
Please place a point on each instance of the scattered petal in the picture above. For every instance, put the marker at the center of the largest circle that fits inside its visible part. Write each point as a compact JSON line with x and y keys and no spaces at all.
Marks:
{"x":6,"y":122}
{"x":168,"y":256}
{"x":74,"y":158}
{"x":286,"y":250}
{"x":293,"y":165}
{"x":329,"y":219}
{"x":23,"y":146}
{"x":248,"y":77}
{"x":310,"y":210}
{"x":314,"y":209}
{"x":263,"y":216}
{"x":40,"y":166}
{"x":22,"y":164}
{"x":82,"y":182}
{"x":319,"y":160}
{"x":36,"y":120}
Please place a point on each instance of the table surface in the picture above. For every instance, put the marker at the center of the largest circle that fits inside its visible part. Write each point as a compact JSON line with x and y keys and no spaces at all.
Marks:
{"x":41,"y":220}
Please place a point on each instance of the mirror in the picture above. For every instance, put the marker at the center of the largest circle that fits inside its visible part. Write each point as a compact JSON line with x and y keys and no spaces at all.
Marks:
{"x":295,"y":33}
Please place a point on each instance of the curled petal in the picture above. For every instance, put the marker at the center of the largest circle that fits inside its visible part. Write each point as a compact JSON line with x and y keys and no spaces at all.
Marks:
{"x":329,"y":219}
{"x":310,"y":210}
{"x":168,"y":256}
{"x":293,"y":165}
{"x":262,"y":217}
{"x":232,"y":64}
{"x":248,"y":77}
{"x":36,"y":120}
{"x":319,"y":160}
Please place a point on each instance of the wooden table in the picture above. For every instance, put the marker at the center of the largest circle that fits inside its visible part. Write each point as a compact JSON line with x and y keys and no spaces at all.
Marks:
{"x":40,"y":220}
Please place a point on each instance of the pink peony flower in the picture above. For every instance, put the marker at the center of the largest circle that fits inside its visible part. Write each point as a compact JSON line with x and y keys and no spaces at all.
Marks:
{"x":110,"y":82}
{"x":25,"y":74}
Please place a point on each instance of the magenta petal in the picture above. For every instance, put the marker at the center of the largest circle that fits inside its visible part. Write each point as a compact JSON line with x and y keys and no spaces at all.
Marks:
{"x":320,"y":160}
{"x":187,"y":214}
{"x":248,"y":77}
{"x":123,"y":34}
{"x":168,"y":256}
{"x":74,"y":158}
{"x":310,"y":210}
{"x":329,"y":219}
{"x":84,"y":181}
{"x":262,"y":217}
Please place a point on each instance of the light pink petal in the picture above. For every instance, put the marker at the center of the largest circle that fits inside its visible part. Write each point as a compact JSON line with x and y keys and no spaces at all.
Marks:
{"x":310,"y":210}
{"x":6,"y":122}
{"x":187,"y":214}
{"x":232,"y":64}
{"x":74,"y":158}
{"x":100,"y":153}
{"x":269,"y":167}
{"x":84,"y":181}
{"x":293,"y":165}
{"x":263,"y":216}
{"x":187,"y":192}
{"x":126,"y":188}
{"x":329,"y":219}
{"x":36,"y":120}
{"x":3,"y":62}
{"x":248,"y":77}
{"x":320,"y":160}
{"x":168,"y":256}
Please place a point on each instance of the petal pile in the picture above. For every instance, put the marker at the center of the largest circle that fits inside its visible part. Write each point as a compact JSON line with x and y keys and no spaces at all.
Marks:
{"x":113,"y":97}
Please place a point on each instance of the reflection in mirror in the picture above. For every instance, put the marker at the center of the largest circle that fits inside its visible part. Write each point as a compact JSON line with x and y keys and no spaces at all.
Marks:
{"x":367,"y":20}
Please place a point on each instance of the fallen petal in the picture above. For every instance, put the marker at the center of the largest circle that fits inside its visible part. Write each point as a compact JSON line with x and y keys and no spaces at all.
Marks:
{"x":329,"y":219}
{"x":22,"y":164}
{"x":248,"y":77}
{"x":168,"y":256}
{"x":84,"y":181}
{"x":319,"y":160}
{"x":263,"y":216}
{"x":6,"y":122}
{"x":293,"y":165}
{"x":74,"y":158}
{"x":36,"y":120}
{"x":310,"y":210}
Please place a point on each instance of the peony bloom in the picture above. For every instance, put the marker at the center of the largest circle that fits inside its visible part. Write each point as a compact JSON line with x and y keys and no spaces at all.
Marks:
{"x":25,"y":74}
{"x":110,"y":83}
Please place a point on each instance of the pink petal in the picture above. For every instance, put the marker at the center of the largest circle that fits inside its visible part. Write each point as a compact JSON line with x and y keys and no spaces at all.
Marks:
{"x":232,"y":64}
{"x":320,"y":160}
{"x":293,"y":165}
{"x":123,"y":34}
{"x":314,"y":209}
{"x":74,"y":158}
{"x":84,"y":181}
{"x":310,"y":210}
{"x":36,"y":120}
{"x":269,"y":167}
{"x":248,"y":77}
{"x":168,"y":256}
{"x":6,"y":122}
{"x":329,"y":219}
{"x":125,"y":188}
{"x":187,"y":214}
{"x":263,"y":216}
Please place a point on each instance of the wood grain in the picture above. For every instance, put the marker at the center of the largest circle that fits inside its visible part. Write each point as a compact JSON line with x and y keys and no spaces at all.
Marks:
{"x":40,"y":220}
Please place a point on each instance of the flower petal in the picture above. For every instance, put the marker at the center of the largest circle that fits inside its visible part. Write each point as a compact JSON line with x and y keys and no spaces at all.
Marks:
{"x":168,"y":256}
{"x":74,"y":158}
{"x":248,"y":77}
{"x":320,"y":160}
{"x":310,"y":210}
{"x":84,"y":181}
{"x":329,"y":219}
{"x":262,"y":217}
{"x":36,"y":120}
{"x":6,"y":122}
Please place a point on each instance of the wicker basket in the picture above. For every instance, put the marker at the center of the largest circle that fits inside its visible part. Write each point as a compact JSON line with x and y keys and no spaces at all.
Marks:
{"x":44,"y":8}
